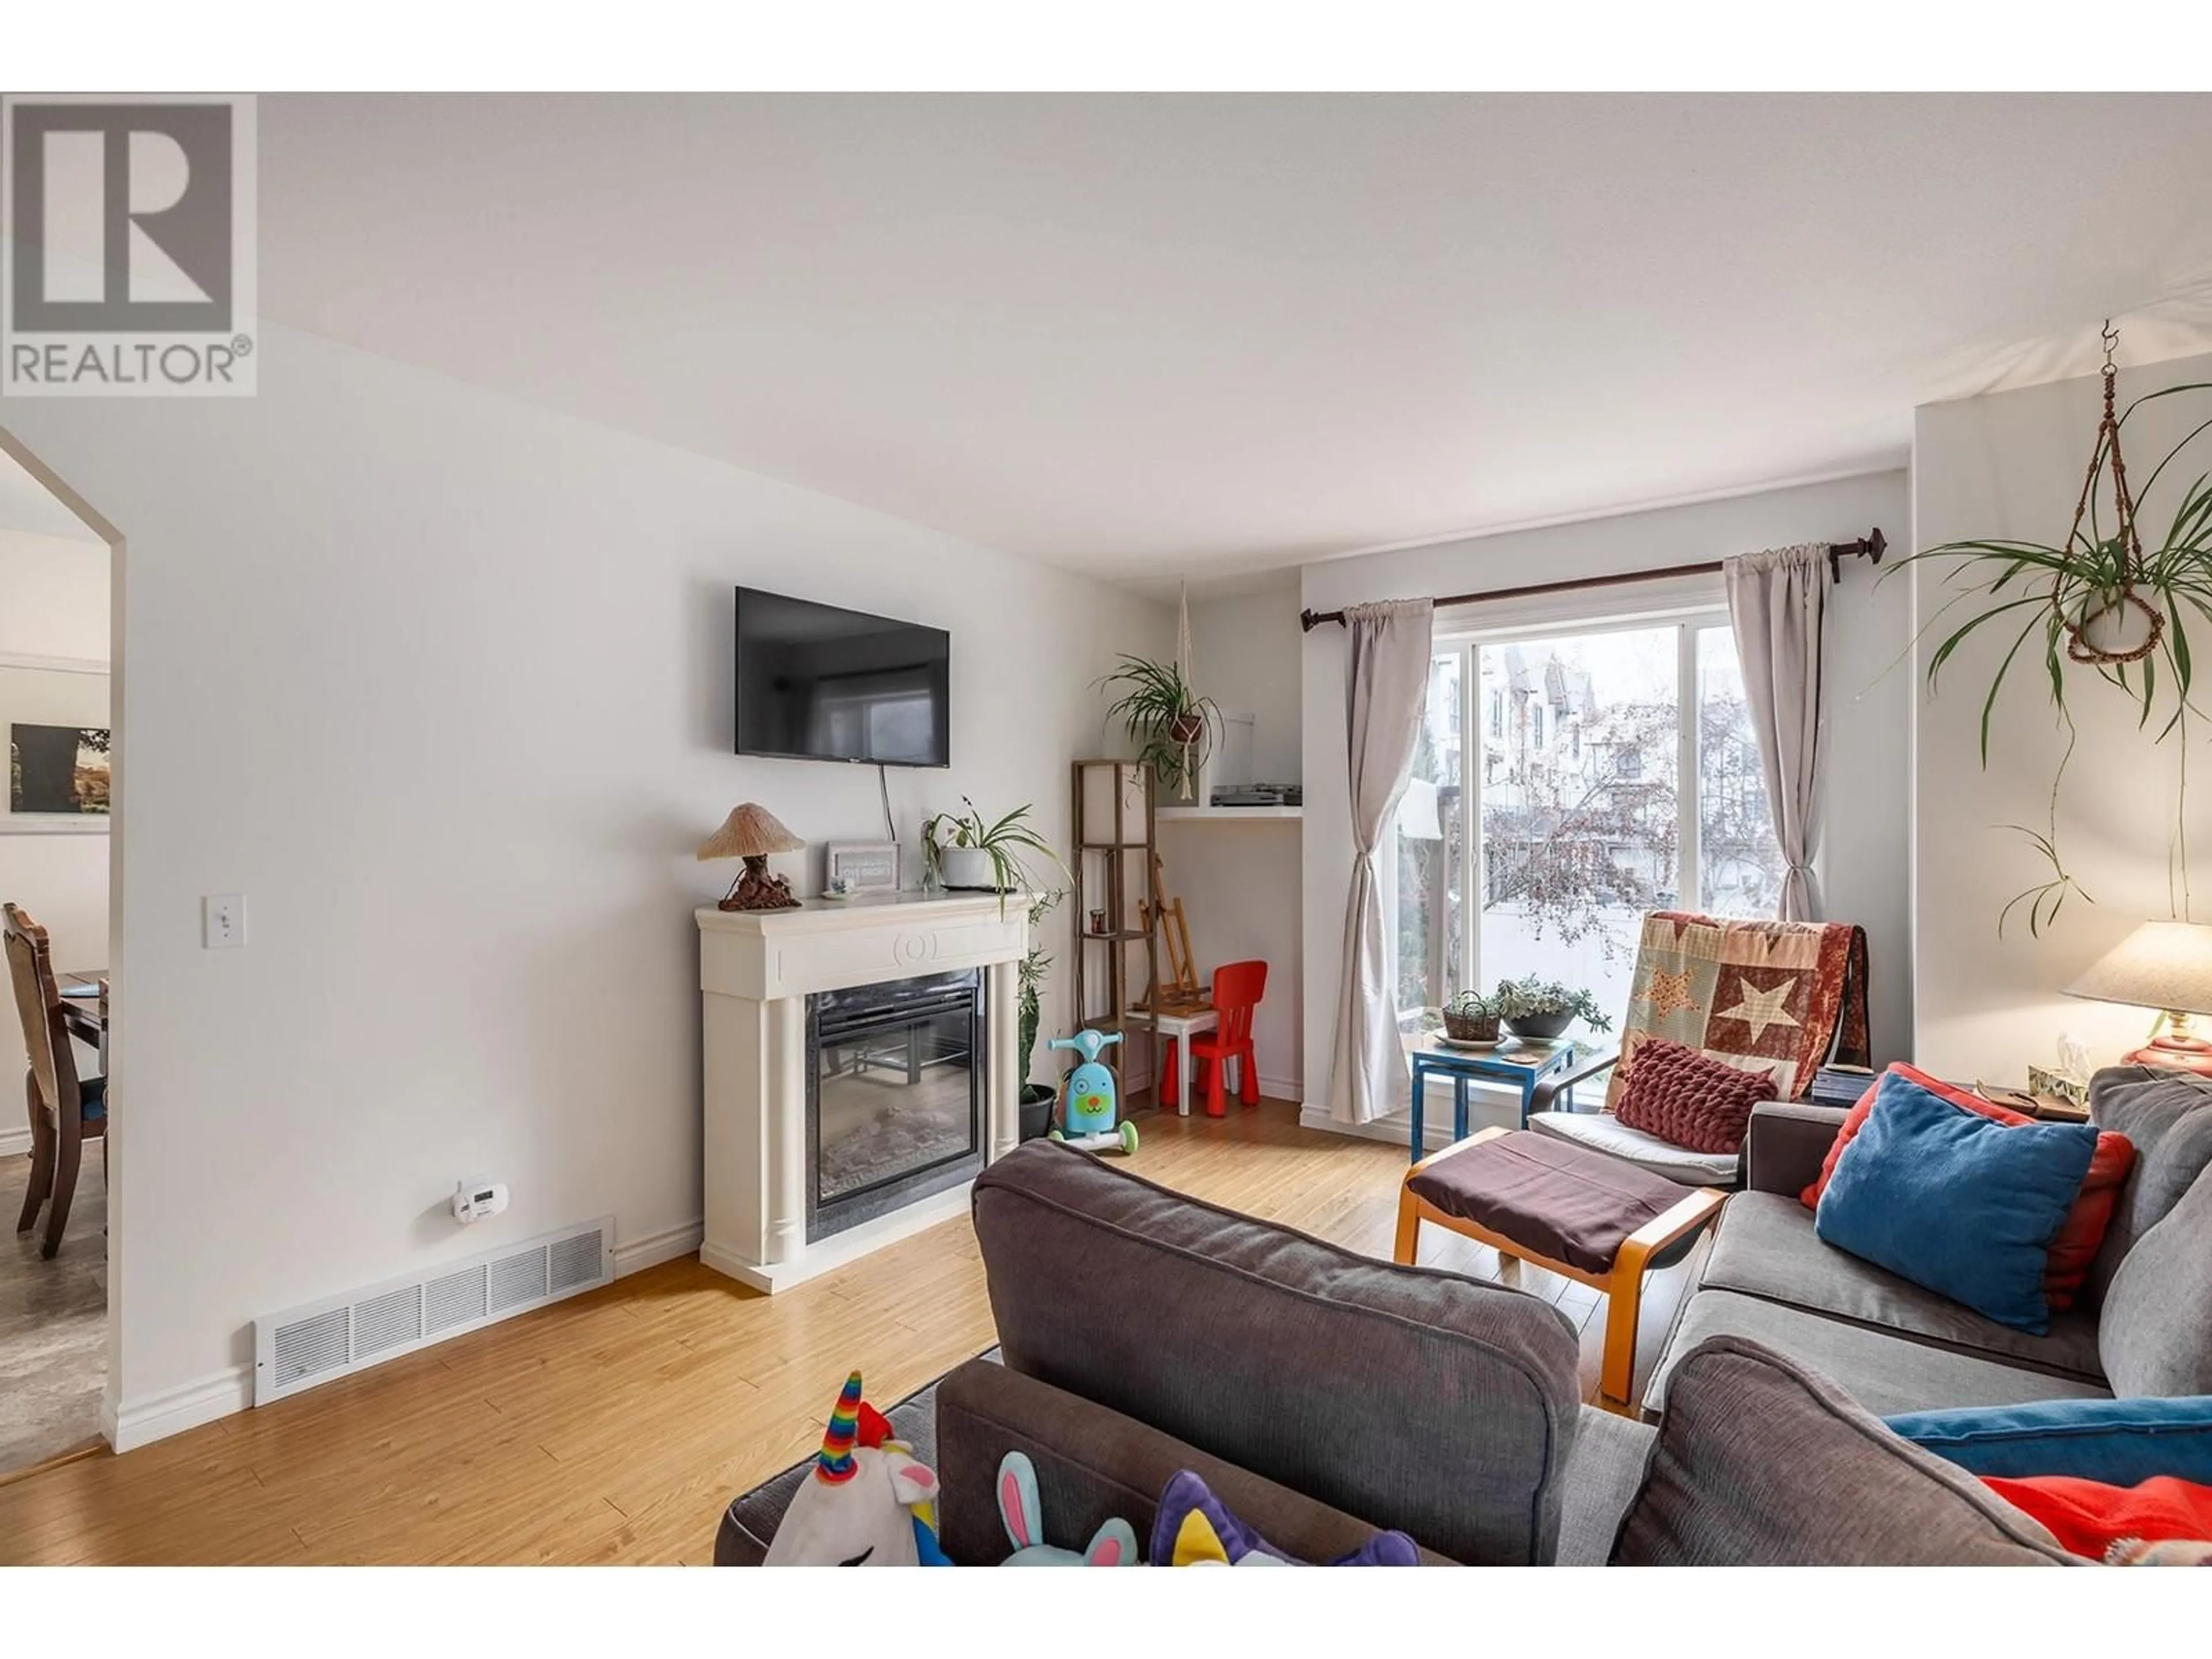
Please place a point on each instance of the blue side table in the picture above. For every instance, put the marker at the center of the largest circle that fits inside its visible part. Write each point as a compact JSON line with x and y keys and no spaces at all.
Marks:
{"x":1520,"y":1063}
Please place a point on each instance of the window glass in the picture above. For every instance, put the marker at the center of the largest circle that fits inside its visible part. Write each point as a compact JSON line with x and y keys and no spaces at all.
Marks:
{"x":1578,"y":834}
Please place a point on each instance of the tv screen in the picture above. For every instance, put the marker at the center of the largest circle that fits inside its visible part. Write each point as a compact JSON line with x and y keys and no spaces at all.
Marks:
{"x":818,"y":683}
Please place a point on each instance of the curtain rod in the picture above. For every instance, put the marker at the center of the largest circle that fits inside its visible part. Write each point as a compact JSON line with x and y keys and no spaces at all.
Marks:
{"x":1870,"y":547}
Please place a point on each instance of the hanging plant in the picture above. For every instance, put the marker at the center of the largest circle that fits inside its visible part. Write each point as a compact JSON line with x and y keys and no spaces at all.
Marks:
{"x":1172,"y":727}
{"x":2098,"y":599}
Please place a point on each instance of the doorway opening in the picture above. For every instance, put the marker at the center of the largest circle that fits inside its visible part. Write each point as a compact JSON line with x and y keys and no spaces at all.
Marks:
{"x":60,"y":566}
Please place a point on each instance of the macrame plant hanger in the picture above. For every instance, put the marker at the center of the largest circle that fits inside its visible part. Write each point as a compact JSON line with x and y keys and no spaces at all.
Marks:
{"x":1188,"y":727}
{"x":2079,"y":648}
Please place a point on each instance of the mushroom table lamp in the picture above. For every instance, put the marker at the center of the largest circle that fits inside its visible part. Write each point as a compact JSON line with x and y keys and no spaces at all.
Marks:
{"x":751,"y":833}
{"x":2167,"y":965}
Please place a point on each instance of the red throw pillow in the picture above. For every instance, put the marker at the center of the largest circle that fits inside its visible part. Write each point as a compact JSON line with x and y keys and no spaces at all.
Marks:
{"x":2087,"y":1517}
{"x":2076,"y":1247}
{"x":1690,"y":1099}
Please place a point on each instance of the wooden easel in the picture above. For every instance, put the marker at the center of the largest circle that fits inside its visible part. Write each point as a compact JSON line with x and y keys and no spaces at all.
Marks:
{"x":1180,"y":988}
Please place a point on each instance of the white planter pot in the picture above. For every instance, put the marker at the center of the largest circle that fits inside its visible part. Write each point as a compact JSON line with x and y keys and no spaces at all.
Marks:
{"x":968,"y":868}
{"x":2117,"y":626}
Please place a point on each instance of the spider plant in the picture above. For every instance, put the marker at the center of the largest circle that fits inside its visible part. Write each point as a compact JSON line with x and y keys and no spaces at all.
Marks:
{"x":1173,"y":727}
{"x":1006,"y":846}
{"x":1030,"y":1011}
{"x":2099,"y":600}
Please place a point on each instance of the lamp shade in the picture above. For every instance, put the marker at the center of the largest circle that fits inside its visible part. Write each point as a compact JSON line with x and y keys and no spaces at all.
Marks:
{"x":749,"y":831}
{"x":2162,"y":964}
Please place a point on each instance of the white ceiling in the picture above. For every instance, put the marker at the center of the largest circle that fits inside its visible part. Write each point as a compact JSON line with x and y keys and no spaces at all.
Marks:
{"x":1150,"y":337}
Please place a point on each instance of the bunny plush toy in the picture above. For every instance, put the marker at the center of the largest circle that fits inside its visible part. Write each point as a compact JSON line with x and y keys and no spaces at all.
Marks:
{"x":1114,"y":1546}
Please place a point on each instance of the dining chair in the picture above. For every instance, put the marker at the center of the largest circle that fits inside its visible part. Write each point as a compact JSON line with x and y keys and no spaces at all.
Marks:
{"x":65,"y":1111}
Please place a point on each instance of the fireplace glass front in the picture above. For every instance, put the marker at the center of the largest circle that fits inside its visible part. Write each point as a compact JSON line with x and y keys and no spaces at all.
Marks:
{"x":895,"y":1096}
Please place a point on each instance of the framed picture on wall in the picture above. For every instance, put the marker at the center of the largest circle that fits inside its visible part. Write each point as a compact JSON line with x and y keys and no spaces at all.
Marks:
{"x":861,"y":867}
{"x":54,"y":719}
{"x":57,"y":768}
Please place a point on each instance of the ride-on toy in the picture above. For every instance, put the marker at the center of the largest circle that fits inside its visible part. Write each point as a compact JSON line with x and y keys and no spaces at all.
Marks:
{"x":1086,"y":1111}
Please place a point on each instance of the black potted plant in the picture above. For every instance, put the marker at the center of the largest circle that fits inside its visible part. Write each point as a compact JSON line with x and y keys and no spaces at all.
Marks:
{"x":1037,"y":1098}
{"x":1542,"y":1010}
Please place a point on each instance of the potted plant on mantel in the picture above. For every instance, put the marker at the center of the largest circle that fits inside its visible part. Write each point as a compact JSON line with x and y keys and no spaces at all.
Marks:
{"x":966,"y":854}
{"x":1540,"y":1011}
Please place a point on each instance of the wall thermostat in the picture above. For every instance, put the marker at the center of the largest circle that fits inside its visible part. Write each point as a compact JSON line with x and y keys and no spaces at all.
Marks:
{"x":475,"y":1200}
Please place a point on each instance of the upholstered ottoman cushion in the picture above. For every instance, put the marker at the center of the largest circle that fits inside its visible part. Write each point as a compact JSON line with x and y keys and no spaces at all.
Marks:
{"x":1555,"y":1200}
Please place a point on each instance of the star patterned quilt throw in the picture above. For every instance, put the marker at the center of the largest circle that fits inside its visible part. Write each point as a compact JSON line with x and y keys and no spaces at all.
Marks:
{"x":1779,"y":997}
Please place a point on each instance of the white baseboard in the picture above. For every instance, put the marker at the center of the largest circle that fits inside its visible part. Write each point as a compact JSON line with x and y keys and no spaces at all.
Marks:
{"x":1488,"y":1106}
{"x":636,"y":1254}
{"x":16,"y":1143}
{"x":1397,"y":1128}
{"x":1314,"y":1114}
{"x":156,"y":1416}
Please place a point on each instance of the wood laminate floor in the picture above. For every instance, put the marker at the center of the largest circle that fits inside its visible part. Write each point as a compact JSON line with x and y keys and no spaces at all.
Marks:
{"x":614,"y":1427}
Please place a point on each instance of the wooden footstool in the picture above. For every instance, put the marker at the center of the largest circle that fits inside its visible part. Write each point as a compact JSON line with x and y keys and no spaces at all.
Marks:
{"x":1596,"y":1219}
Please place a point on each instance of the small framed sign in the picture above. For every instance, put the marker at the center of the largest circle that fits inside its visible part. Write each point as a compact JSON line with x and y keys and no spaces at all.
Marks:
{"x":861,"y":867}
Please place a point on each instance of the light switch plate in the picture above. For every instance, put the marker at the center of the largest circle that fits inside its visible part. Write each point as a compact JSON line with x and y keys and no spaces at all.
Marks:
{"x":222,"y":921}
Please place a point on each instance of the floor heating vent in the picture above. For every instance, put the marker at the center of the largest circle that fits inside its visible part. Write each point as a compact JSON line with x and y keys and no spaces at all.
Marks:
{"x":341,"y":1334}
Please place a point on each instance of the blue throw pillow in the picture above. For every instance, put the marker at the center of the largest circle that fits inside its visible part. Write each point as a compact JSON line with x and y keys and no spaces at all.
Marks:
{"x":2121,"y":1442}
{"x":1961,"y":1204}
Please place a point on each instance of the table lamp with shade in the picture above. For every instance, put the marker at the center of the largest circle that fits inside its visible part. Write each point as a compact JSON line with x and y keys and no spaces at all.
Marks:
{"x":751,"y":833}
{"x":2167,"y":965}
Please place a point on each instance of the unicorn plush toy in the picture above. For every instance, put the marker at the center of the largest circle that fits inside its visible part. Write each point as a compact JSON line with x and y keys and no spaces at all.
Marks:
{"x":866,"y":1502}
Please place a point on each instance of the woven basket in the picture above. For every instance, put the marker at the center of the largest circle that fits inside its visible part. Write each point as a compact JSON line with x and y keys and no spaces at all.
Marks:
{"x":1470,"y":1028}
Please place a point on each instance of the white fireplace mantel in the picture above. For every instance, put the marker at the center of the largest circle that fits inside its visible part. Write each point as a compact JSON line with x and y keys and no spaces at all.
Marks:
{"x":756,"y":968}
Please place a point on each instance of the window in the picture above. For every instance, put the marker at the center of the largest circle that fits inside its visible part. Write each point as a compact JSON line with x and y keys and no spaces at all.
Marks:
{"x":1628,"y":808}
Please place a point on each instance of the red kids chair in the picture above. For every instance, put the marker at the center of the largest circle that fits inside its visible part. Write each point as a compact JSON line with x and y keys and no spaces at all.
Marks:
{"x":1237,"y":988}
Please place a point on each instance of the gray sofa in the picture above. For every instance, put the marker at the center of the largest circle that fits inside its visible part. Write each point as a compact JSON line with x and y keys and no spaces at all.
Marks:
{"x":1323,"y":1394}
{"x":2143,"y":1325}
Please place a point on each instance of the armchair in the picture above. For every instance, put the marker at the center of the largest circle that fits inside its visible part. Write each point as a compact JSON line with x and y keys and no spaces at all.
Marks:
{"x":1781,"y":997}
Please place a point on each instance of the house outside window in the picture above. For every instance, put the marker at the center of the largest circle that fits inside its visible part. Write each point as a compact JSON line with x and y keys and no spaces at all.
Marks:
{"x":1544,"y":857}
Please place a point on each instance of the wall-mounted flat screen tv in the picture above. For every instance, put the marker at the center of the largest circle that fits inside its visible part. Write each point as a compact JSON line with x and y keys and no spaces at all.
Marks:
{"x":815,"y":682}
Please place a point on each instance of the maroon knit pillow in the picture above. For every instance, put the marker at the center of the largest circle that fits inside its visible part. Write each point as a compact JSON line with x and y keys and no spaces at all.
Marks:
{"x":1689,"y":1099}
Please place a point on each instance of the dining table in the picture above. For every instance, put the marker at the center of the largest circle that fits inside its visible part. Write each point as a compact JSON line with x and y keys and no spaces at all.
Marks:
{"x":84,"y":1009}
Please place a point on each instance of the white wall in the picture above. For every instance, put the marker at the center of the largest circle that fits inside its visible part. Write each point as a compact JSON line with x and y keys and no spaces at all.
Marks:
{"x":53,"y":595}
{"x":1244,"y":655}
{"x":1239,"y":881}
{"x":442,"y":682}
{"x":53,"y":604}
{"x":1861,"y":866}
{"x":2010,"y":465}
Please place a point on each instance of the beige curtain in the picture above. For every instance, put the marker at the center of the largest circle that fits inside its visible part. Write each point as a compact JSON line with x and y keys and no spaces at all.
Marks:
{"x":1387,"y":689}
{"x":1776,"y":601}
